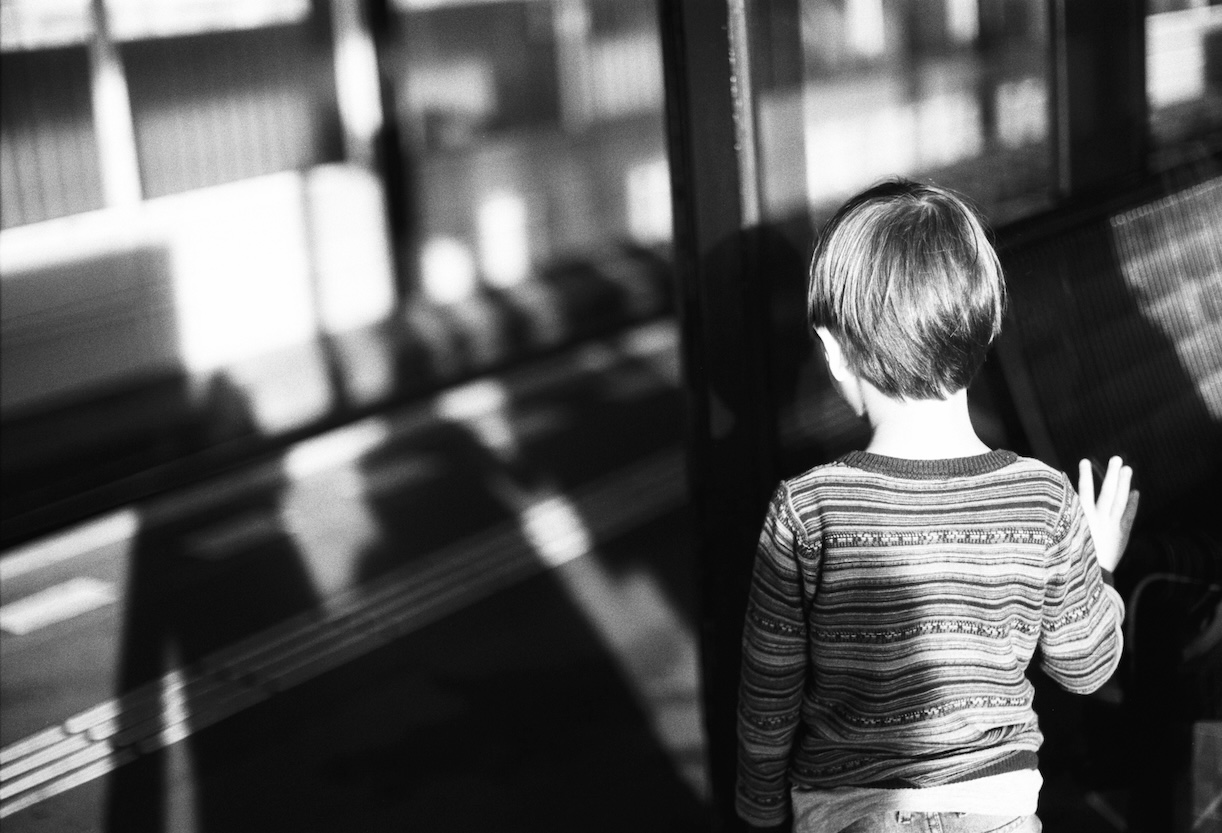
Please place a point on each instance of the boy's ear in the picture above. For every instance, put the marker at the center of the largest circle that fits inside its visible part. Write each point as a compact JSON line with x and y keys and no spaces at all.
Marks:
{"x":835,"y":355}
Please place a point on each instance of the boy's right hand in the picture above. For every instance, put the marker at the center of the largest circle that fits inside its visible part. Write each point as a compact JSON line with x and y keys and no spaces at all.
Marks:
{"x":1111,"y":516}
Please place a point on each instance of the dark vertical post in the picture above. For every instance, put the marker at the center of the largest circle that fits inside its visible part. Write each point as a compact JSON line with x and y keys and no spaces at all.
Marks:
{"x":391,"y":160}
{"x":328,"y":143}
{"x":1100,"y":63}
{"x":730,"y":424}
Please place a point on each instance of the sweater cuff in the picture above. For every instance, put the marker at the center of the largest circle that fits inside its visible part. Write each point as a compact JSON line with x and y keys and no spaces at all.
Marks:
{"x":761,"y":812}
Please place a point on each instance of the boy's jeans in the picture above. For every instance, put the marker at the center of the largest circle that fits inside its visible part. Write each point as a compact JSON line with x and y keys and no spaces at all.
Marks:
{"x":943,"y":823}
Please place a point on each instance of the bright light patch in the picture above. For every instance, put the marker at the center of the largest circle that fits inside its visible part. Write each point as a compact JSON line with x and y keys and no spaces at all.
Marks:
{"x":447,"y":271}
{"x":859,"y":133}
{"x":141,"y":19}
{"x":864,"y":27}
{"x":844,"y":152}
{"x":780,"y":133}
{"x":648,"y":194}
{"x":350,"y":248}
{"x":56,"y":604}
{"x":241,"y":269}
{"x":218,"y":275}
{"x":481,"y":407}
{"x":174,"y":709}
{"x":504,"y":244}
{"x":888,"y":137}
{"x":1022,"y":112}
{"x":286,"y":389}
{"x":422,"y":5}
{"x":648,"y":340}
{"x":1175,"y":53}
{"x":116,"y":140}
{"x":963,"y":20}
{"x":356,"y":76}
{"x":331,"y":522}
{"x":555,"y":530}
{"x":948,"y":129}
{"x":464,"y":88}
{"x":835,"y":159}
{"x":471,"y":401}
{"x":43,"y":24}
{"x":117,"y":528}
{"x":658,"y":345}
{"x":334,"y":449}
{"x":625,"y":75}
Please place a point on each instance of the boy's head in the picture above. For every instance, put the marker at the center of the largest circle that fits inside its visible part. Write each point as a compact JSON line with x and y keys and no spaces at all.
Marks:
{"x":906,"y":280}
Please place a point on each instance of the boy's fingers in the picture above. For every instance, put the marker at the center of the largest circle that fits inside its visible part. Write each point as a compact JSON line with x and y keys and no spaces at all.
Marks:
{"x":1086,"y":485}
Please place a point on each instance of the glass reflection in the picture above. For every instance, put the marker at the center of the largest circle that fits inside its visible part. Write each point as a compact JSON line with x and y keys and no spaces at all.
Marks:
{"x":1183,"y":78}
{"x":956,"y":90}
{"x":848,"y":92}
{"x":532,"y":132}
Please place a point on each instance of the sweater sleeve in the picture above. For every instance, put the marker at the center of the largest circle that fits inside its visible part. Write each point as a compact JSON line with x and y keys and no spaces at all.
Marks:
{"x":773,"y":670}
{"x":1082,"y":633}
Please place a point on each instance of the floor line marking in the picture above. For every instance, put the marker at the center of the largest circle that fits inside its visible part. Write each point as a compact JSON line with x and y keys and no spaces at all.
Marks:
{"x":31,"y":744}
{"x":48,"y":755}
{"x":57,"y":603}
{"x":61,"y":766}
{"x":74,"y":779}
{"x":87,"y":537}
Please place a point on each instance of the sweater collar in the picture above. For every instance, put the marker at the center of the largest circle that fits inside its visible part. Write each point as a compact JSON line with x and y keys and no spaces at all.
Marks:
{"x":929,"y":469}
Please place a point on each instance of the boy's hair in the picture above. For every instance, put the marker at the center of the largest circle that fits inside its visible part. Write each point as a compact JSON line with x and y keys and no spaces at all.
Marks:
{"x":906,"y":279}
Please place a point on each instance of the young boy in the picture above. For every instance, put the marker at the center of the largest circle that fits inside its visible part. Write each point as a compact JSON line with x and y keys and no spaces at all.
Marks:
{"x":900,"y":592}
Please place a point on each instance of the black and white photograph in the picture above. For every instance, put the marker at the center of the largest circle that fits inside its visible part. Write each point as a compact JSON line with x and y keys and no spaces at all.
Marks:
{"x":611,"y":416}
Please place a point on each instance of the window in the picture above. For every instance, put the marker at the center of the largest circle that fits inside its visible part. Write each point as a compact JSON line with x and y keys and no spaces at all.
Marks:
{"x":532,"y":131}
{"x":221,"y":106}
{"x":48,"y":147}
{"x":848,"y":92}
{"x":1183,"y":79}
{"x":954,"y":90}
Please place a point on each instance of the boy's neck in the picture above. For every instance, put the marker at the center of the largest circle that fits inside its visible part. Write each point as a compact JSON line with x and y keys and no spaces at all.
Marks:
{"x":921,"y":429}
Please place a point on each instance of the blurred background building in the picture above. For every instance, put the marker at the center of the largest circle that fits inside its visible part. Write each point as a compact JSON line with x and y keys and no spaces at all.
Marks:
{"x":346,"y":283}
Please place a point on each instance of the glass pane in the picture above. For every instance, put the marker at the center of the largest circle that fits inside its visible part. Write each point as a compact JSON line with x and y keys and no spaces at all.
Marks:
{"x":48,"y":146}
{"x":848,"y":92}
{"x":227,"y":105}
{"x":954,"y":90}
{"x":1183,"y":78}
{"x":534,"y":136}
{"x":44,"y":24}
{"x":137,"y":19}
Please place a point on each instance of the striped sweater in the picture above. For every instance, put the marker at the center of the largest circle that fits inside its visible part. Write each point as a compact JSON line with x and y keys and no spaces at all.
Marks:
{"x":894,"y":608}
